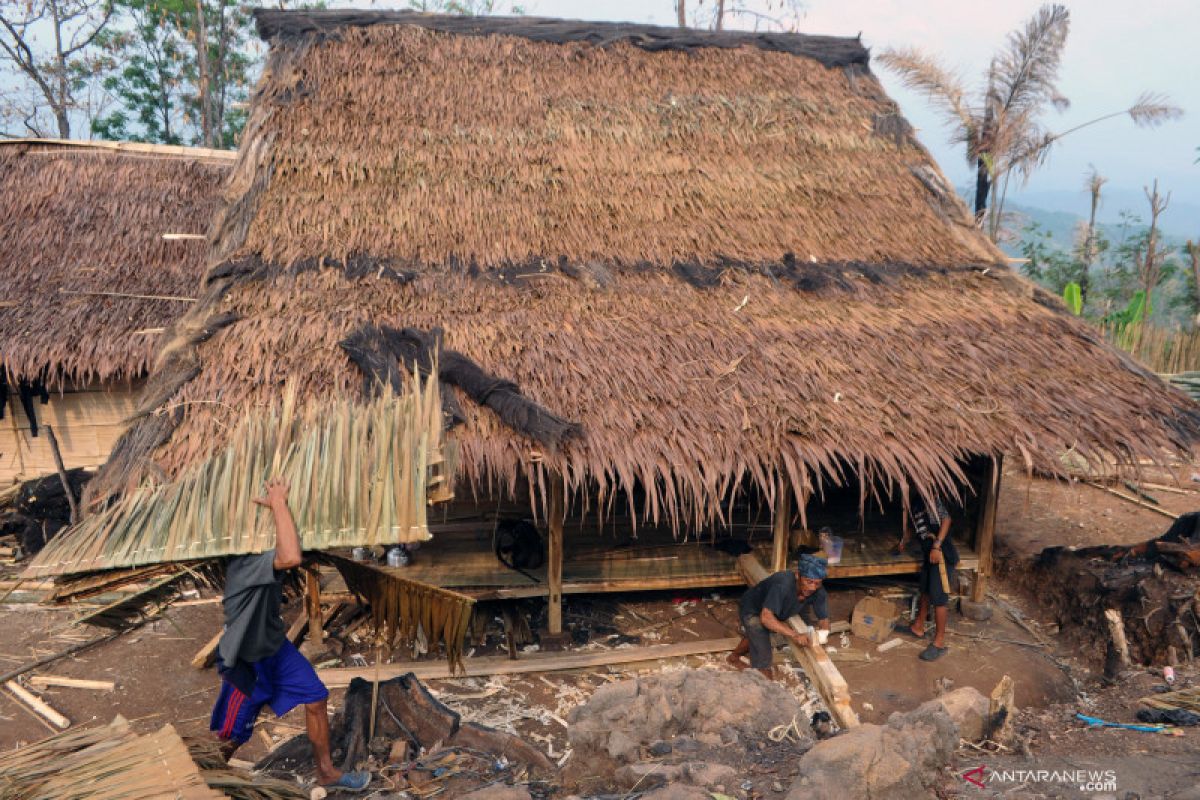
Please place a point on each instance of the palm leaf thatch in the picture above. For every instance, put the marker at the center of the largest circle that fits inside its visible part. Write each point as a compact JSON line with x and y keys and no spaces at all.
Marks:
{"x":86,"y":268}
{"x":106,"y":763}
{"x":359,"y":475}
{"x":728,"y":259}
{"x":236,"y":783}
{"x":400,"y":607}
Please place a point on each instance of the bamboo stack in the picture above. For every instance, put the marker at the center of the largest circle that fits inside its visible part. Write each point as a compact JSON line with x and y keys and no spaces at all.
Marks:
{"x":358,"y":475}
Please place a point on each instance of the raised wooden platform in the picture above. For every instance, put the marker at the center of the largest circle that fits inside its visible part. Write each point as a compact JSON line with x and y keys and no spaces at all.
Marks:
{"x":594,"y":563}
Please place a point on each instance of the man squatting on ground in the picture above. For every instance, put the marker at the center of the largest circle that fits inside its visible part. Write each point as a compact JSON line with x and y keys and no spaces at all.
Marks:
{"x":932,"y":528}
{"x":258,"y":665}
{"x":766,"y":607}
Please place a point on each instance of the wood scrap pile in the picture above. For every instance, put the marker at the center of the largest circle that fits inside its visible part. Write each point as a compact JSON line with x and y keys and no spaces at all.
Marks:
{"x":33,"y":512}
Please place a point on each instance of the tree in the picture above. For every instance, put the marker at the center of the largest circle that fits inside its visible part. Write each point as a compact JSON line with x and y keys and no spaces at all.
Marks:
{"x":57,"y":72}
{"x":1089,"y":249}
{"x":1001,"y":127}
{"x":1193,"y":252}
{"x":1151,"y":263}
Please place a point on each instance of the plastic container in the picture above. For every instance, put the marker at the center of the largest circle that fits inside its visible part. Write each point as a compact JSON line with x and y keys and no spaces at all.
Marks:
{"x":359,"y":554}
{"x":398,"y":557}
{"x":832,"y":547}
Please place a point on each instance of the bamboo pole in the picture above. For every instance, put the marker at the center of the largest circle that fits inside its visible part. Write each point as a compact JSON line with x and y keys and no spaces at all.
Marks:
{"x":42,"y":708}
{"x":781,"y":529}
{"x":557,"y":514}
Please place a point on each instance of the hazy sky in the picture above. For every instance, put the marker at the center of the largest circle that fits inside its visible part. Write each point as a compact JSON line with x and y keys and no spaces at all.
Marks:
{"x":1116,"y":50}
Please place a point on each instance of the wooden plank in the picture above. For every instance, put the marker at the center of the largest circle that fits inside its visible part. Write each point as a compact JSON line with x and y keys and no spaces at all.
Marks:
{"x":312,"y":606}
{"x":985,"y":530}
{"x":782,"y":527}
{"x":533,"y":662}
{"x":207,"y":654}
{"x":1133,"y":500}
{"x":557,"y":514}
{"x":813,"y":659}
{"x":71,"y":683}
{"x":43,"y":709}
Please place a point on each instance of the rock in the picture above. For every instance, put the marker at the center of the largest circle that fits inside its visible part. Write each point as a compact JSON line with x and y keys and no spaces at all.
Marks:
{"x":646,"y":775}
{"x":498,"y":791}
{"x":967,"y":707}
{"x":660,"y":749}
{"x":776,"y":786}
{"x":622,"y":718}
{"x":677,"y":791}
{"x":702,"y":773}
{"x":980,"y":612}
{"x":897,"y":761}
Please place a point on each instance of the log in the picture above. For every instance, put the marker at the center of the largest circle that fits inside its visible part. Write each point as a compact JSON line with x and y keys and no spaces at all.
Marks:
{"x":813,"y":659}
{"x":1116,"y":629}
{"x":42,"y":708}
{"x":71,"y":683}
{"x":207,"y":654}
{"x":534,"y":662}
{"x":1000,"y":711}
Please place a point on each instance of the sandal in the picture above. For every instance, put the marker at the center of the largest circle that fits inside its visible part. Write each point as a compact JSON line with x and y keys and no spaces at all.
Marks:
{"x":906,"y":630}
{"x":351,"y":781}
{"x":933,"y":652}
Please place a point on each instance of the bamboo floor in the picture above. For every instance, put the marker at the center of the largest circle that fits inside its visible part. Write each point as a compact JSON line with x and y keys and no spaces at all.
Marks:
{"x":596,"y":563}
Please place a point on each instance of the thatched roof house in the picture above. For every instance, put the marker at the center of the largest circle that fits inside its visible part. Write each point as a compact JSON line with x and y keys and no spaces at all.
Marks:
{"x":89,"y":281}
{"x":724,"y":256}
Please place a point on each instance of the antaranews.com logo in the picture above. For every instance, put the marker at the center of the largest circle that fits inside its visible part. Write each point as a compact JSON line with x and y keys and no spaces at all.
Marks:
{"x":1085,"y":780}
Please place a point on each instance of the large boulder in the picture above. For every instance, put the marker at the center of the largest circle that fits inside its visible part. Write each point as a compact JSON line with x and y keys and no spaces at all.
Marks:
{"x":968,"y":707}
{"x":901,"y":760}
{"x":712,"y":706}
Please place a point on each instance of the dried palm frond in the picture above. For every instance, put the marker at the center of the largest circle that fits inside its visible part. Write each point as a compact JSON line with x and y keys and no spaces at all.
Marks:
{"x":400,"y":606}
{"x":107,"y":763}
{"x":359,"y":475}
{"x":1024,"y":75}
{"x":1151,"y":110}
{"x":237,"y":783}
{"x":924,"y":73}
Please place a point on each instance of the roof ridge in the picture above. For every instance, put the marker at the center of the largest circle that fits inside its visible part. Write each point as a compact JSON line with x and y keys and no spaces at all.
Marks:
{"x":144,"y":148}
{"x":832,"y":51}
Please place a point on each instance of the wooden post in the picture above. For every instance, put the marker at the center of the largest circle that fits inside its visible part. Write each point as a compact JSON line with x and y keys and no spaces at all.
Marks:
{"x":557,"y":516}
{"x":312,"y":605}
{"x":985,"y":531}
{"x":782,"y":527}
{"x":813,"y":659}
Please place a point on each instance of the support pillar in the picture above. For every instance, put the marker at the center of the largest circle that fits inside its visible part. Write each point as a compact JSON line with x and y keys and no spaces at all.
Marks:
{"x":782,"y":525}
{"x":985,"y":531}
{"x":312,"y":604}
{"x":556,"y":517}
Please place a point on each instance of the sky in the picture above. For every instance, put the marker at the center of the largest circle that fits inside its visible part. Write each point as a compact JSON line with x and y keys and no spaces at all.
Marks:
{"x":1116,"y":50}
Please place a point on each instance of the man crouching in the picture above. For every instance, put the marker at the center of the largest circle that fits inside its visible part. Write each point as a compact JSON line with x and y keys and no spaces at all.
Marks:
{"x":766,"y":607}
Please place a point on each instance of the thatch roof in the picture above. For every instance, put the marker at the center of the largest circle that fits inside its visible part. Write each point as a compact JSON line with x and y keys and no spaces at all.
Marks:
{"x":78,"y":219}
{"x":724,"y":256}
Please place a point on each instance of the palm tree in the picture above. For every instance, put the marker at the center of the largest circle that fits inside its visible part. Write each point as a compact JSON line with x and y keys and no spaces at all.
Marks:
{"x":1001,"y":127}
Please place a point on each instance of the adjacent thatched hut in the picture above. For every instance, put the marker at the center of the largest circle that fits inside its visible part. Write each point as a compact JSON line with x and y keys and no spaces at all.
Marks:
{"x":720,"y":262}
{"x":96,"y":257}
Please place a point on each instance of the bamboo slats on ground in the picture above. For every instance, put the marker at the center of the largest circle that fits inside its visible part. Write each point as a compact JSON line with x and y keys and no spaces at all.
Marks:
{"x":106,"y":763}
{"x":359,"y":475}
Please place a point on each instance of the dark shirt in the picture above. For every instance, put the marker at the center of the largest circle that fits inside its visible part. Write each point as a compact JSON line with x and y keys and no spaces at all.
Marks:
{"x":927,"y":524}
{"x":253,"y":594}
{"x":778,"y":593}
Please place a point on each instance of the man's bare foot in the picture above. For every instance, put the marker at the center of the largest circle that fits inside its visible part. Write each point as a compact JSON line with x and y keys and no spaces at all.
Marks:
{"x":737,"y":661}
{"x":328,"y":778}
{"x":768,"y":673}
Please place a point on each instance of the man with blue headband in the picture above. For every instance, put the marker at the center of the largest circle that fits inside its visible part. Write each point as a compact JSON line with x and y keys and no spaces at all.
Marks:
{"x":765,"y":608}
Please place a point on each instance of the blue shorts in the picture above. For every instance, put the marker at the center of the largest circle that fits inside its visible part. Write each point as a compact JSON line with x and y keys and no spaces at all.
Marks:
{"x":284,"y":681}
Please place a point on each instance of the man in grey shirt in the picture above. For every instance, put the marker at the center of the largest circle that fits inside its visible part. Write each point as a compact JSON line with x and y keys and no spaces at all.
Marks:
{"x":258,"y":665}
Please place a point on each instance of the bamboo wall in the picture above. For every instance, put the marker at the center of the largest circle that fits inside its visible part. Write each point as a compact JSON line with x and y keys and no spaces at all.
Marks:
{"x":1165,"y":350}
{"x":87,"y":422}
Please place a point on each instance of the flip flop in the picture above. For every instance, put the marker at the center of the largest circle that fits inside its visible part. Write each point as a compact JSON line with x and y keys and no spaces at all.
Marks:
{"x":351,"y":781}
{"x":906,"y":630}
{"x":932,"y":653}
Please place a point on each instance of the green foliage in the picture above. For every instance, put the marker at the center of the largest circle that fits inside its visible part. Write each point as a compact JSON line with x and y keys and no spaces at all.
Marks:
{"x":1047,"y":263}
{"x":1073,"y":298}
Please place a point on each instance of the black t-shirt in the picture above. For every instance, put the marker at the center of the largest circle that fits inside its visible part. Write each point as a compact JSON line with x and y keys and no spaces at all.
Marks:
{"x":778,"y":593}
{"x":253,"y":594}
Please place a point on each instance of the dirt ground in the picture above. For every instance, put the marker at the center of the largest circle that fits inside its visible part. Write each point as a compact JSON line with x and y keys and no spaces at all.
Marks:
{"x":155,"y":683}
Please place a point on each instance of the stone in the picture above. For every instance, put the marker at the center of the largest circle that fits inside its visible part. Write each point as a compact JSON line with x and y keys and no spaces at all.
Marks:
{"x":620,"y":719}
{"x":968,"y":708}
{"x":646,"y":774}
{"x":498,"y":791}
{"x":980,"y":612}
{"x":703,"y":773}
{"x":659,"y":749}
{"x":901,"y":760}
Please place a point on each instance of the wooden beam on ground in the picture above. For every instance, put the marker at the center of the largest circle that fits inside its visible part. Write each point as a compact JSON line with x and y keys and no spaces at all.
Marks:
{"x":42,"y":681}
{"x":207,"y":654}
{"x":813,"y":659}
{"x":533,"y":662}
{"x":312,"y":605}
{"x":1133,"y":500}
{"x":557,"y":515}
{"x":782,"y":527}
{"x":985,"y":529}
{"x":43,"y":709}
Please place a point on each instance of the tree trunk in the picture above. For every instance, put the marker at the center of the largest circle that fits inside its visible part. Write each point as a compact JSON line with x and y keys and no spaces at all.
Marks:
{"x":204,"y":82}
{"x":1089,"y":247}
{"x":983,"y":186}
{"x":681,"y":10}
{"x":720,"y":14}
